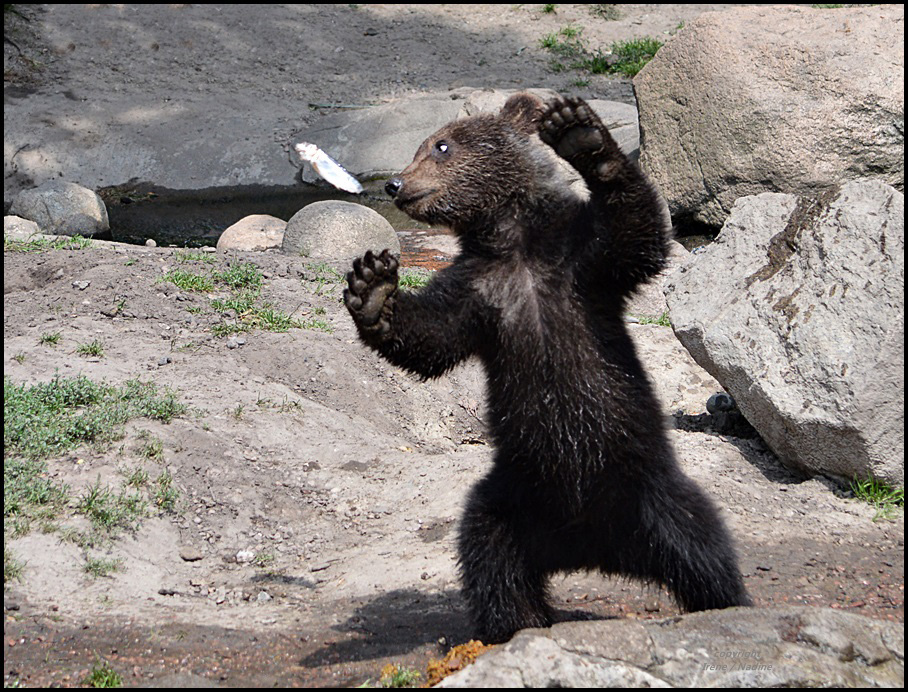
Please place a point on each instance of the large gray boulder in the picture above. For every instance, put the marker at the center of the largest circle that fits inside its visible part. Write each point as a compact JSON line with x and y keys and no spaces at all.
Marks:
{"x":17,"y":228}
{"x":773,"y":99}
{"x":62,"y":208}
{"x":797,"y":310}
{"x":253,"y":232}
{"x":738,"y":647}
{"x":338,"y":230}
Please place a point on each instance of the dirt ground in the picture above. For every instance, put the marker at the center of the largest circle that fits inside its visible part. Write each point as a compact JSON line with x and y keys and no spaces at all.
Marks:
{"x":339,"y":476}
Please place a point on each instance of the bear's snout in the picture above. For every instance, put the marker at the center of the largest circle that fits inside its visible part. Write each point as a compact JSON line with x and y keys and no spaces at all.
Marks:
{"x":392,"y":187}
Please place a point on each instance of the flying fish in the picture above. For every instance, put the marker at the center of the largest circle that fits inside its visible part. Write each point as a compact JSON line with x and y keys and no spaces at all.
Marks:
{"x":328,"y":168}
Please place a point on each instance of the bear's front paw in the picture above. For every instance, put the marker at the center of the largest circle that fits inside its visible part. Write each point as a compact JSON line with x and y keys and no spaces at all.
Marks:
{"x":578,"y":136}
{"x":369,"y":295}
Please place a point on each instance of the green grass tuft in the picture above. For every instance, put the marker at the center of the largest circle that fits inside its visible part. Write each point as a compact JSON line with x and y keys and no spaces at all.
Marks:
{"x":623,"y":57}
{"x":885,"y":498}
{"x":45,"y":419}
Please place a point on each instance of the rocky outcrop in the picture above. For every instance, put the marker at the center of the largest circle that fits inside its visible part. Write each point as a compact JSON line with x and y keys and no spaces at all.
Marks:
{"x":738,"y":647}
{"x":797,"y":310}
{"x":773,"y":99}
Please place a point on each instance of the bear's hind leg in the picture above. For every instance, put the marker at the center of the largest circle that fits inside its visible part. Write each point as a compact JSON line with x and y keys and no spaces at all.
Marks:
{"x":685,"y":546}
{"x":503,"y":584}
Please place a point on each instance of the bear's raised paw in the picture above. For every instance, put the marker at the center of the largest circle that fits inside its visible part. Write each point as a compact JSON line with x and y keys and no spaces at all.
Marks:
{"x":577,"y":135}
{"x":369,"y":295}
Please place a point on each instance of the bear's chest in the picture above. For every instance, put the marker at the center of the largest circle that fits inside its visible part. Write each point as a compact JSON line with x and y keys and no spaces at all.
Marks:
{"x":514,"y":293}
{"x":533,"y":309}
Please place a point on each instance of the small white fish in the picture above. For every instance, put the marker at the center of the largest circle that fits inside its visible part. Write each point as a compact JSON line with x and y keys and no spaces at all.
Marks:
{"x":328,"y":168}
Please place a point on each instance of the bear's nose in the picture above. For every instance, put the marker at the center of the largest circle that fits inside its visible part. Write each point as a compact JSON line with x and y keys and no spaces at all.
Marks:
{"x":392,"y":187}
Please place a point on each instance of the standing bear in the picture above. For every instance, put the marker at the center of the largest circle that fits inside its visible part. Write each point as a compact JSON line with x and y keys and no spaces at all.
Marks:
{"x":583,"y":475}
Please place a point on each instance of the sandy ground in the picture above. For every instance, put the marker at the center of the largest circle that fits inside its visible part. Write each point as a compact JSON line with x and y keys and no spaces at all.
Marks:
{"x":341,"y":475}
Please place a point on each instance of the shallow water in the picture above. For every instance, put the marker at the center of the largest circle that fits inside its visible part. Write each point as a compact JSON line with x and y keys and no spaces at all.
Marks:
{"x":196,"y":218}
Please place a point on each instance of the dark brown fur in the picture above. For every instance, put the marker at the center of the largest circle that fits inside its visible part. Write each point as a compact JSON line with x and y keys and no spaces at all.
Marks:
{"x":583,"y":474}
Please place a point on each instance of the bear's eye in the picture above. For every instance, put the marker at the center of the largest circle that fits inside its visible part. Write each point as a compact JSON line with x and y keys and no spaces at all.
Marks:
{"x":442,"y":146}
{"x":442,"y":150}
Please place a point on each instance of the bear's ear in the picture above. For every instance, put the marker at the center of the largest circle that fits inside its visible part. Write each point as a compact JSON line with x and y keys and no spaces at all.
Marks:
{"x":523,"y":110}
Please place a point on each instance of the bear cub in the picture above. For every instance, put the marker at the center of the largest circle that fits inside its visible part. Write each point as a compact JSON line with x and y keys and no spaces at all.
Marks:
{"x":583,"y":475}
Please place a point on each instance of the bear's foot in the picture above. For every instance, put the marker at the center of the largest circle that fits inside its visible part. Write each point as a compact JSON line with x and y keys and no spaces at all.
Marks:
{"x":578,"y":136}
{"x":369,"y":295}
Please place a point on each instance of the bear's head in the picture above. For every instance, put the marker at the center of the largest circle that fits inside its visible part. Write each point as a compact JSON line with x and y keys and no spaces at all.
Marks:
{"x":474,"y":168}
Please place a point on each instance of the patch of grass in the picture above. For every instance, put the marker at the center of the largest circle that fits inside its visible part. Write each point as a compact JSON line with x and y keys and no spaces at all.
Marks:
{"x":75,"y":242}
{"x":143,"y":400}
{"x":273,"y":320}
{"x":885,"y":498}
{"x":102,"y":675}
{"x":264,"y":317}
{"x":414,"y":278}
{"x":317,"y":324}
{"x":228,"y":329}
{"x":12,"y":568}
{"x":109,"y":511}
{"x":661,"y":321}
{"x":137,"y":478}
{"x":622,"y":57}
{"x":188,"y":281}
{"x":45,"y":419}
{"x":196,"y":256}
{"x":240,"y":303}
{"x":50,"y":338}
{"x":609,"y":13}
{"x":250,"y":315}
{"x":263,"y":560}
{"x":244,"y":280}
{"x":398,"y":676}
{"x":285,"y":406}
{"x":564,"y":44}
{"x":322,"y":275}
{"x":150,"y":447}
{"x":241,"y":276}
{"x":102,"y":567}
{"x":631,"y":55}
{"x":29,"y":494}
{"x":94,"y":348}
{"x":165,"y":495}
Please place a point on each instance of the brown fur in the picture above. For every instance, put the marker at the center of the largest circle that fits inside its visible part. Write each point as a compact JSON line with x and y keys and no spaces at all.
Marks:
{"x":583,"y":474}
